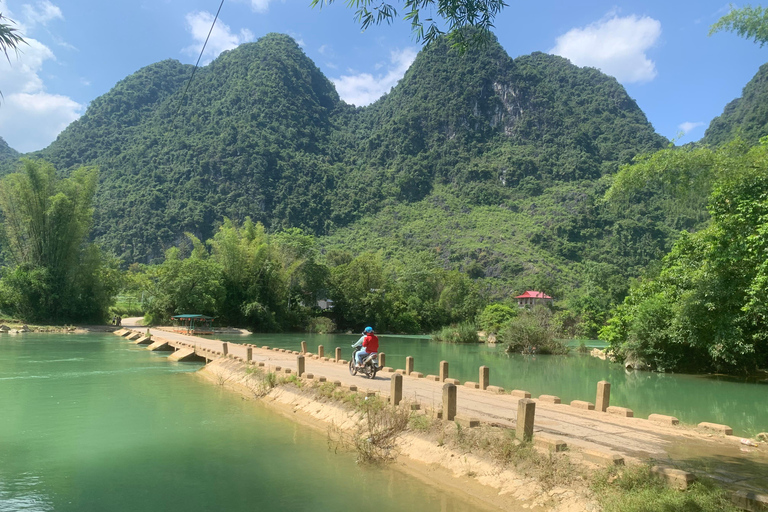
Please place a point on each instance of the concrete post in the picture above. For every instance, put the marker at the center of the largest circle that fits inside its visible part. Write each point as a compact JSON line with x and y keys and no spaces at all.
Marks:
{"x":603,"y":396}
{"x":248,"y":354}
{"x":449,"y":402}
{"x":338,"y":354}
{"x":526,"y":410}
{"x":225,"y":348}
{"x":443,"y":370}
{"x":320,"y":351}
{"x":300,"y":365}
{"x":381,"y":360}
{"x":396,"y":391}
{"x":408,"y":365}
{"x":485,"y":377}
{"x":303,"y":347}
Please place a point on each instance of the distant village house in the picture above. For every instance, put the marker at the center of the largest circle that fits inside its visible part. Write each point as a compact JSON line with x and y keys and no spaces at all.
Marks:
{"x":533,"y":298}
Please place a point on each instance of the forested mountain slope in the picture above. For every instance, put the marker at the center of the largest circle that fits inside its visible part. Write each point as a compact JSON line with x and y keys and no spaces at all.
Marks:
{"x":492,"y":165}
{"x":746,"y":117}
{"x":7,"y":152}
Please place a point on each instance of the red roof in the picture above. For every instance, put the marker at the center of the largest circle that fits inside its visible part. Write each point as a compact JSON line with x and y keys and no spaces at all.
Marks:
{"x":531,"y":294}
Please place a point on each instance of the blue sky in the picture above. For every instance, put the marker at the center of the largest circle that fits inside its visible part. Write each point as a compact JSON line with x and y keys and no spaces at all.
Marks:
{"x":79,"y":49}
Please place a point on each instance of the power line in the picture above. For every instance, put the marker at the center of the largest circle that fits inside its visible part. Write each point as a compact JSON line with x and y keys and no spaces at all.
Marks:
{"x":181,"y":101}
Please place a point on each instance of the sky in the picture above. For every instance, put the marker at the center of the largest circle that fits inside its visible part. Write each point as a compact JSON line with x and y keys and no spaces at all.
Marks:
{"x":79,"y":49}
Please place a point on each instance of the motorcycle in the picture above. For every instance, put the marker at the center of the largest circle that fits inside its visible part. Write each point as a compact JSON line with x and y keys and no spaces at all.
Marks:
{"x":370,"y":364}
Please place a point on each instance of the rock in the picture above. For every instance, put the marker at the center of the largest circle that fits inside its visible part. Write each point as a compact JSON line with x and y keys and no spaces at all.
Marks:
{"x":635,"y":364}
{"x":762,"y":436}
{"x":4,"y":328}
{"x":596,"y":352}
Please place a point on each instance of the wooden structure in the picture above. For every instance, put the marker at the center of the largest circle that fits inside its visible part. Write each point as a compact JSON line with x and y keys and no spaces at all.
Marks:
{"x":193,"y":324}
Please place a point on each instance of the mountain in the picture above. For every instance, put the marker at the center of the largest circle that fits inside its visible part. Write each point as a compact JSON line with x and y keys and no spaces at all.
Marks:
{"x":746,"y":117}
{"x":492,"y":165}
{"x":7,"y":153}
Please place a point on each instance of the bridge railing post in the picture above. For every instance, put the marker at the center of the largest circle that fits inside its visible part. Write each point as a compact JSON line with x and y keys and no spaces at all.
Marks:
{"x":443,"y":370}
{"x":396,"y":391}
{"x":485,"y":377}
{"x":526,"y":410}
{"x":603,"y":396}
{"x":449,"y":402}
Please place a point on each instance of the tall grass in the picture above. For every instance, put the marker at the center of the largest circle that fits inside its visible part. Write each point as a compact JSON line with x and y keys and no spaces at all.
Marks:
{"x":458,"y":333}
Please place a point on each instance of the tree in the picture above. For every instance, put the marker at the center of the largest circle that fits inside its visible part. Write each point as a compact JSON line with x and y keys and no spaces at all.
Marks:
{"x":705,"y":307}
{"x":461,"y":16}
{"x":749,"y":22}
{"x":9,"y":37}
{"x":55,"y":275}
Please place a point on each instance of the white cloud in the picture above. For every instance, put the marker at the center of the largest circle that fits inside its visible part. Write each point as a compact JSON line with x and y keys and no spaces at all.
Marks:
{"x":364,"y":88}
{"x":688,"y":126}
{"x":617,"y":46}
{"x":260,"y":5}
{"x":31,"y":117}
{"x":222,"y":38}
{"x":41,"y":13}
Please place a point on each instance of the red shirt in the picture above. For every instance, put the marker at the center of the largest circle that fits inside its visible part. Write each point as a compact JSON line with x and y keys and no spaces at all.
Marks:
{"x":371,"y":343}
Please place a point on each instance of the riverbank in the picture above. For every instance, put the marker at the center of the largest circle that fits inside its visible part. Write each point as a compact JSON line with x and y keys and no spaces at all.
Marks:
{"x":422,"y":454}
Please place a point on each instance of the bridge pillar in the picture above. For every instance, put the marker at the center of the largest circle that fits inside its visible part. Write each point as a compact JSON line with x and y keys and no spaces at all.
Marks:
{"x":526,"y":410}
{"x":443,"y":370}
{"x":249,"y":354}
{"x":320,"y":351}
{"x":603,"y":396}
{"x":449,"y":402}
{"x":485,"y":377}
{"x":396,"y":391}
{"x":225,"y":348}
{"x":408,"y":365}
{"x":381,"y":358}
{"x":300,"y":365}
{"x":338,"y":354}
{"x":303,"y":347}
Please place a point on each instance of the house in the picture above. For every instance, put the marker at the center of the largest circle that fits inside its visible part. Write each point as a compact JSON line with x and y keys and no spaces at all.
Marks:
{"x":533,"y":298}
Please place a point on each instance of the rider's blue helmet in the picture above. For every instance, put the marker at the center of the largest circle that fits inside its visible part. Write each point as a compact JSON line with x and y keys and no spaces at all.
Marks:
{"x":368,"y":330}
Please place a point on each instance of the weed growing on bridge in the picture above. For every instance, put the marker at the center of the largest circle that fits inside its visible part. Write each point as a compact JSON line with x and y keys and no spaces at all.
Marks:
{"x":500,"y":445}
{"x":636,"y":489}
{"x":374,"y":437}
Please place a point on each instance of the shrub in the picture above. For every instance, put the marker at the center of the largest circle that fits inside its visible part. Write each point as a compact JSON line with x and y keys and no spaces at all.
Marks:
{"x":321,"y":325}
{"x":532,"y":332}
{"x":496,"y":316}
{"x":461,"y":333}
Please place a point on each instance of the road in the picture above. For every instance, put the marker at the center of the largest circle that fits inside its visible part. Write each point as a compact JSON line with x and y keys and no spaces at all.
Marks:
{"x":725,"y":457}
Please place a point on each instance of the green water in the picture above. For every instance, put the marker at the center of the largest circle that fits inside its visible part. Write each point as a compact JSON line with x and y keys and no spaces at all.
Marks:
{"x":93,"y":423}
{"x":739,"y":403}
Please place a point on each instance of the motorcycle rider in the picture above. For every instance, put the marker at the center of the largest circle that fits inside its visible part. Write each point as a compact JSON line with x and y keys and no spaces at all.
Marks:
{"x":370,"y":344}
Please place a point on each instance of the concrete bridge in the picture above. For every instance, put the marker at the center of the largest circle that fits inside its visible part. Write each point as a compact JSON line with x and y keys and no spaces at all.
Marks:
{"x":597,"y":432}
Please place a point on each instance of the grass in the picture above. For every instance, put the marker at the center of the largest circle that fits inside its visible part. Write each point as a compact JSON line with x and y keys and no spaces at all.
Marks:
{"x":636,"y":489}
{"x":459,"y":333}
{"x":500,"y":445}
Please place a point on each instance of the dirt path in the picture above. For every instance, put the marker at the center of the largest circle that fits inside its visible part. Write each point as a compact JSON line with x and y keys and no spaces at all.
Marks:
{"x":634,"y":438}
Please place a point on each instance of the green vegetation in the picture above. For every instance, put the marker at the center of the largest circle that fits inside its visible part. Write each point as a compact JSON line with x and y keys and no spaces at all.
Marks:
{"x":469,"y":21}
{"x":496,"y":316}
{"x":750,"y":22}
{"x":533,"y":332}
{"x":704,"y":307}
{"x":476,"y":163}
{"x":52,"y":275}
{"x":636,"y":489}
{"x":458,"y":333}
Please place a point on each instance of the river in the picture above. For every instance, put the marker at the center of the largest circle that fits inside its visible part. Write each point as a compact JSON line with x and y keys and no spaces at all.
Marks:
{"x":718,"y":399}
{"x":92,"y":423}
